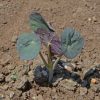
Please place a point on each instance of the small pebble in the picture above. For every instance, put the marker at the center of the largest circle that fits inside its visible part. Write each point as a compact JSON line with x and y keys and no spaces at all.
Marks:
{"x":68,"y":68}
{"x":14,"y":39}
{"x":11,"y":95}
{"x":93,"y":80}
{"x":89,"y":19}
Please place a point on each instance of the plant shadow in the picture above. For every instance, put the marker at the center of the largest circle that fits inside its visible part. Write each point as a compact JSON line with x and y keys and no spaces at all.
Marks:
{"x":60,"y":73}
{"x":94,"y":72}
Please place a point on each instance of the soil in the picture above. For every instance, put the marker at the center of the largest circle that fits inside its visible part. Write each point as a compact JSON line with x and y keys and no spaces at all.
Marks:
{"x":83,"y":15}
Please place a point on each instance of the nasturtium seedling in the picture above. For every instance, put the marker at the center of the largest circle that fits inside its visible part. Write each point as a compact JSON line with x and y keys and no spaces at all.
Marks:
{"x":29,"y":44}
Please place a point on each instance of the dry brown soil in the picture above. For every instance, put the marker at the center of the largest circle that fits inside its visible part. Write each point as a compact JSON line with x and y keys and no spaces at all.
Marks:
{"x":83,"y":15}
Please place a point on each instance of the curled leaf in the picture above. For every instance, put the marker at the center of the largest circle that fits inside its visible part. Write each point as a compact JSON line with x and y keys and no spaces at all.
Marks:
{"x":28,"y":46}
{"x":37,"y":21}
{"x":71,"y":43}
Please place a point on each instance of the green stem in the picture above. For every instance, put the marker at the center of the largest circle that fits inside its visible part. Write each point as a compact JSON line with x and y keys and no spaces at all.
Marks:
{"x":49,"y":56}
{"x":56,"y":62}
{"x":50,"y":76}
{"x":44,"y":61}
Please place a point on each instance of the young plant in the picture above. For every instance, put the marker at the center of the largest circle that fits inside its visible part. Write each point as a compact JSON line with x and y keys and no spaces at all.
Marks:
{"x":29,"y":44}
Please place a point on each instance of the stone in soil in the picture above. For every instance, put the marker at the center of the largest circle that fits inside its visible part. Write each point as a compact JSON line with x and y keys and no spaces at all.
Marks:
{"x":2,"y":78}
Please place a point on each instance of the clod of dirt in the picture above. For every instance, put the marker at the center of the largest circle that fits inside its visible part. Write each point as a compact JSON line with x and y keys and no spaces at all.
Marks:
{"x":4,"y":48}
{"x":95,"y":87}
{"x":84,"y":83}
{"x":54,"y":95}
{"x":10,"y":67}
{"x":75,"y":76}
{"x":26,"y":69}
{"x":5,"y":59}
{"x":41,"y":75}
{"x":31,"y":76}
{"x":25,"y":95}
{"x":57,"y":81}
{"x":68,"y":85}
{"x":8,"y":78}
{"x":1,"y":96}
{"x":2,"y":78}
{"x":4,"y":87}
{"x":40,"y":97}
{"x":97,"y":97}
{"x":23,"y":84}
{"x":83,"y":90}
{"x":89,"y":72}
{"x":5,"y":71}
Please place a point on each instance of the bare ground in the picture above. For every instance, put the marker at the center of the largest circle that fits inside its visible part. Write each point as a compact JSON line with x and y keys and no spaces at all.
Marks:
{"x":83,"y":15}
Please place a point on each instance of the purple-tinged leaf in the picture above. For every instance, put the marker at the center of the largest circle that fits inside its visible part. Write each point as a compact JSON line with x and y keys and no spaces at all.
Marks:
{"x":50,"y":37}
{"x":44,"y":35}
{"x":56,"y":45}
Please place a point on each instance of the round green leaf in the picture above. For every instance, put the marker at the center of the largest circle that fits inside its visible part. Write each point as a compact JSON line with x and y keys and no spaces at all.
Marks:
{"x":71,"y":43}
{"x":28,"y":46}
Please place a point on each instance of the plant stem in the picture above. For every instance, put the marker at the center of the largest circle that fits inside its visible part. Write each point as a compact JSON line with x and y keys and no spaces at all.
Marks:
{"x":44,"y":61}
{"x":56,"y":62}
{"x":49,"y":56}
{"x":50,"y":75}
